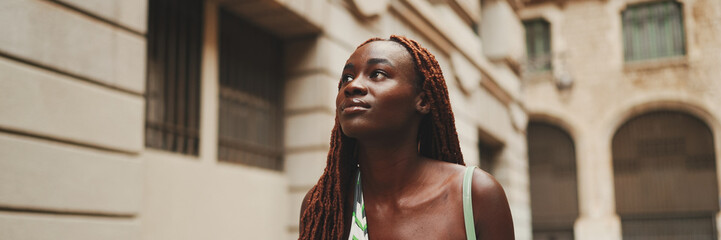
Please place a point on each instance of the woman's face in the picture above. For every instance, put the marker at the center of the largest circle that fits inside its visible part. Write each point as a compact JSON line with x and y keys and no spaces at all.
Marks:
{"x":378,"y":94}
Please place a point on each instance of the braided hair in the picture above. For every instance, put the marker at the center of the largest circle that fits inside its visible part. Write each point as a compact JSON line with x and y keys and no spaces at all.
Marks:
{"x":324,"y":216}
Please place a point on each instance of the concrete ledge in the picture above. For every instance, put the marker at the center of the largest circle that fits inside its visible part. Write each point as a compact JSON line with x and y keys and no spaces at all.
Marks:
{"x":422,"y":17}
{"x":286,"y":19}
{"x":129,"y":62}
{"x":498,"y":124}
{"x":312,"y":10}
{"x":70,"y":42}
{"x":44,"y":103}
{"x":42,"y":175}
{"x":314,"y":91}
{"x":466,"y":73}
{"x":303,"y":169}
{"x":507,"y":81}
{"x":502,"y":32}
{"x":38,"y":226}
{"x":294,"y":202}
{"x":308,"y":131}
{"x":128,"y":13}
{"x":316,"y":55}
{"x":348,"y":29}
{"x":471,"y":155}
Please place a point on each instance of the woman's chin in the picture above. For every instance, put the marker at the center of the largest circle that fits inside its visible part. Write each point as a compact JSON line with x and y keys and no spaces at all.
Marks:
{"x":355,"y":130}
{"x":350,"y":132}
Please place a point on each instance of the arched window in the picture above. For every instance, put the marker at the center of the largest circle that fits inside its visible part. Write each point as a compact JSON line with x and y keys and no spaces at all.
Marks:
{"x":665,"y":177}
{"x":554,"y":194}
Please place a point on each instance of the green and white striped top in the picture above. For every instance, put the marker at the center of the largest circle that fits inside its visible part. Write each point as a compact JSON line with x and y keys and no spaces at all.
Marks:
{"x":359,"y":224}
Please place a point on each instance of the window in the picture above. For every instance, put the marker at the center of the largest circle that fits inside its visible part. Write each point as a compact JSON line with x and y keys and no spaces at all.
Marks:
{"x":552,"y":172}
{"x":664,"y":165}
{"x":251,"y":88}
{"x":488,"y":153}
{"x":172,"y":95}
{"x":653,"y":30}
{"x":538,"y":45}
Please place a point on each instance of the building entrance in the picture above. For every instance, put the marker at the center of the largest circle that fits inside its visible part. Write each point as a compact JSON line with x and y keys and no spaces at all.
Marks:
{"x":665,"y":177}
{"x":552,"y":169}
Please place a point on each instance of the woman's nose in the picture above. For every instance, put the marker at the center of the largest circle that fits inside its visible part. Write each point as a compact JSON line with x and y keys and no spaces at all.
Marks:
{"x":355,"y":87}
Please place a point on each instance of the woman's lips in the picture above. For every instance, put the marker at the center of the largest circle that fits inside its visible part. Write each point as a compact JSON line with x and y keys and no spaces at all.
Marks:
{"x":354,"y":105}
{"x":354,"y":109}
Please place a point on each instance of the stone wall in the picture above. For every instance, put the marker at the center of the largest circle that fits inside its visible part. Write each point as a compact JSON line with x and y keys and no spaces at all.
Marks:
{"x":73,"y":164}
{"x":586,"y":39}
{"x":72,"y":78}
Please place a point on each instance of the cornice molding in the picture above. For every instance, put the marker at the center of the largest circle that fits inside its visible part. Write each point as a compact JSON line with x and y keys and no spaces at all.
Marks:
{"x":421,"y":18}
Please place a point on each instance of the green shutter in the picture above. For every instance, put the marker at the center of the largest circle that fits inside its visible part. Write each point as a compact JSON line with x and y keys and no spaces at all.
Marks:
{"x":538,"y":45}
{"x":653,"y":30}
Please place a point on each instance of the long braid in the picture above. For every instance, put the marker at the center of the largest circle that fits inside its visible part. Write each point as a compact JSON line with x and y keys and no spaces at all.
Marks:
{"x":324,"y":216}
{"x":443,"y":128}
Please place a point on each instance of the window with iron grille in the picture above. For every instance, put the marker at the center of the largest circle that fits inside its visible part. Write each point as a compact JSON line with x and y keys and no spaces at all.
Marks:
{"x":665,"y":177}
{"x":552,"y":172}
{"x":653,"y":30}
{"x":538,"y":45}
{"x":173,"y":75}
{"x":250,"y":117}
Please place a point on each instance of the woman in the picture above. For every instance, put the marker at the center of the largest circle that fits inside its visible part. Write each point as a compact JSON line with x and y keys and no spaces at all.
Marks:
{"x":395,"y":169}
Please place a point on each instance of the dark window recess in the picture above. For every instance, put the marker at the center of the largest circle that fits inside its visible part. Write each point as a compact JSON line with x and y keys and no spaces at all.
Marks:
{"x":251,"y":87}
{"x":552,"y":172}
{"x":488,"y":154}
{"x":538,"y":45}
{"x":653,"y":30}
{"x":665,"y":177}
{"x":174,"y":54}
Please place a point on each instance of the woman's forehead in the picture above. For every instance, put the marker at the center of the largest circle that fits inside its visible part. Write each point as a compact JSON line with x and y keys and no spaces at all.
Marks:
{"x":389,"y":50}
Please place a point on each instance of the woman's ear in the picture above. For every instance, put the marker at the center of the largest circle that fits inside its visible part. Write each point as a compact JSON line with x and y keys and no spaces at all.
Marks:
{"x":422,"y":105}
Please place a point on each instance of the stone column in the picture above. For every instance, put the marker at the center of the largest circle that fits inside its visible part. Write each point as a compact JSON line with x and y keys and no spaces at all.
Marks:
{"x":209,"y":86}
{"x":512,"y":172}
{"x":598,"y":218}
{"x":313,"y":67}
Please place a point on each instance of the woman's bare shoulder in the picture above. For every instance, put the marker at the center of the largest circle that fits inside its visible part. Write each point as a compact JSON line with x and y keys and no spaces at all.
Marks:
{"x":491,"y":211}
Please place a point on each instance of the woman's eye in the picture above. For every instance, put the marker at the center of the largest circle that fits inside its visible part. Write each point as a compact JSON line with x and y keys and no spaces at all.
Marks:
{"x":346,"y":78}
{"x":377,"y":73}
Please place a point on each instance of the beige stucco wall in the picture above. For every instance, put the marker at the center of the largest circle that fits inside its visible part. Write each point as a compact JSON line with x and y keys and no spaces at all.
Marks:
{"x":587,"y":44}
{"x":72,"y":77}
{"x":189,"y":198}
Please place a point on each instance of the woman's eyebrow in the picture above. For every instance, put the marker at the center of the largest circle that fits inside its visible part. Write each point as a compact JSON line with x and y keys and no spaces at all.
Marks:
{"x":373,"y":61}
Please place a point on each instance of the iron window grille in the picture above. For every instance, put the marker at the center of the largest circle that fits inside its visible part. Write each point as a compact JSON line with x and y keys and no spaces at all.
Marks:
{"x":538,"y":45}
{"x":173,"y":75}
{"x":653,"y":30}
{"x":250,"y":117}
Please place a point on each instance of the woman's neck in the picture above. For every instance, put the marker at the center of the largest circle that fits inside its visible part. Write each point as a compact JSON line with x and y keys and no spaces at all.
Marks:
{"x":390,"y":168}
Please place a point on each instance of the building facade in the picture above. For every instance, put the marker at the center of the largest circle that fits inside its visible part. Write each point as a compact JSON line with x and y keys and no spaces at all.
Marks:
{"x":158,"y":119}
{"x":629,"y":92}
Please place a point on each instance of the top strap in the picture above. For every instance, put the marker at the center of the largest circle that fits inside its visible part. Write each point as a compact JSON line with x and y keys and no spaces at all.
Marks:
{"x":468,"y":204}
